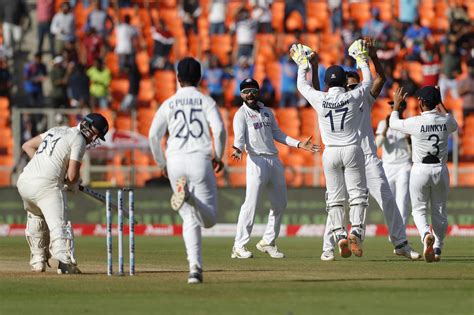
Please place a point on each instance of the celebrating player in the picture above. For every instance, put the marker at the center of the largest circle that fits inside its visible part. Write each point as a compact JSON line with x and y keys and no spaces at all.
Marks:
{"x":56,"y":157}
{"x":255,"y":129}
{"x":339,"y":115}
{"x":429,"y":177}
{"x":396,"y":157}
{"x":377,"y":182}
{"x":187,"y":116}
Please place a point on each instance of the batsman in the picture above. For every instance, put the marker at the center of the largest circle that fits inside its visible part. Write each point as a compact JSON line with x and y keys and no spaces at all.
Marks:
{"x":55,"y":162}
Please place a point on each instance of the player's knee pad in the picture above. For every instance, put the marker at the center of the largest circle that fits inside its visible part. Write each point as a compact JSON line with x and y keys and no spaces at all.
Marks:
{"x":336,"y":219}
{"x":37,"y":236}
{"x":59,"y":244}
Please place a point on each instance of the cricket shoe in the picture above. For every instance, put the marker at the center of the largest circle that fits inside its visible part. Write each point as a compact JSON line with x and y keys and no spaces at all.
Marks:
{"x":241,"y":253}
{"x":428,"y":251}
{"x":39,"y":266}
{"x":180,"y":195}
{"x":328,"y":255}
{"x":356,"y":244}
{"x":271,"y":250}
{"x":408,"y":252}
{"x":195,"y":275}
{"x":68,"y":269}
{"x":343,"y":245}
{"x":437,"y":253}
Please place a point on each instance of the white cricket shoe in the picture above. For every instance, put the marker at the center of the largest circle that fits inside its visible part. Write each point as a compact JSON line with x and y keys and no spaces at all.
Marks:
{"x":195,"y":275}
{"x":68,"y":269}
{"x":428,"y":251}
{"x":328,"y":255}
{"x":241,"y":253}
{"x":39,"y":266}
{"x":356,"y":244}
{"x":408,"y":252}
{"x":181,"y":195}
{"x":271,"y":250}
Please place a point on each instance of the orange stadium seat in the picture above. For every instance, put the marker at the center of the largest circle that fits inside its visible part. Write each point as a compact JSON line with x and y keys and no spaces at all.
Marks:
{"x":318,"y":16}
{"x":278,"y":15}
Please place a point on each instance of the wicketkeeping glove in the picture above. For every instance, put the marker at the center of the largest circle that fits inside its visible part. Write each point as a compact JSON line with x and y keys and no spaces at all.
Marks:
{"x":300,"y":55}
{"x":358,"y":51}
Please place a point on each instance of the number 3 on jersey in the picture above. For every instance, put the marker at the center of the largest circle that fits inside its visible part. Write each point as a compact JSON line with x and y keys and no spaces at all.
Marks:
{"x":330,"y":115}
{"x":185,"y":130}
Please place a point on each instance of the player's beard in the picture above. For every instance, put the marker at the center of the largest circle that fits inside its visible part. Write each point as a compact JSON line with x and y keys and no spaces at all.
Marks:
{"x":252,"y":103}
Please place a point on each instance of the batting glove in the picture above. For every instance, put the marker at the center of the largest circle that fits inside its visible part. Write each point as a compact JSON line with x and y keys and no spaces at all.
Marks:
{"x":358,"y":51}
{"x":300,"y":55}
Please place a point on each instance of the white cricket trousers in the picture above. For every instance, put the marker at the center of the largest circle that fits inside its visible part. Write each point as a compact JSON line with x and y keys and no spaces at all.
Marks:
{"x":262,"y":172}
{"x":45,"y":202}
{"x":429,"y":183}
{"x":398,"y":176}
{"x":344,"y":168}
{"x":201,"y":208}
{"x":379,"y":189}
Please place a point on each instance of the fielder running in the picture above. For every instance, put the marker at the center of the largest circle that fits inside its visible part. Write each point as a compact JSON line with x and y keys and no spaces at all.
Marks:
{"x":339,"y":115}
{"x":377,"y":182}
{"x":429,"y":177}
{"x":255,"y":129}
{"x":189,"y":162}
{"x":396,"y":157}
{"x":55,"y":163}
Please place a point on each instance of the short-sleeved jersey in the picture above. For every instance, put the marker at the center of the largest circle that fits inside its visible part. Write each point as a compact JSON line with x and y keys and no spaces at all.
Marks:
{"x":339,"y":111}
{"x":367,"y":140}
{"x":429,"y":134}
{"x":256,"y":130}
{"x":395,"y":148}
{"x":187,"y":116}
{"x":51,"y":160}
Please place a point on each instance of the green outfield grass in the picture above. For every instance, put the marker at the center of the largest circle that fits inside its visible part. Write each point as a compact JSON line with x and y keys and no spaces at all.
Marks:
{"x":378,"y":283}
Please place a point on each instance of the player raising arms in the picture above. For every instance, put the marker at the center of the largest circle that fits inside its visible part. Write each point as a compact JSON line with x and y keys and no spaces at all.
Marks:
{"x":55,"y":163}
{"x":187,"y":116}
{"x":255,"y":129}
{"x":377,"y":182}
{"x":339,"y":115}
{"x":429,"y":177}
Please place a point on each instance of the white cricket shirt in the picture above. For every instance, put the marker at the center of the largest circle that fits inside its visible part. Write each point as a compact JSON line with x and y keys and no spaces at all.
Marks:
{"x":51,"y":160}
{"x":187,"y":116}
{"x":256,"y":131}
{"x":339,"y":111}
{"x":395,"y":147}
{"x":367,"y":140}
{"x":429,"y":133}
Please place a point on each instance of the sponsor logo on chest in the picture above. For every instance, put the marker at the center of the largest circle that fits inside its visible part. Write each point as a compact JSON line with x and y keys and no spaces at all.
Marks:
{"x":260,"y":121}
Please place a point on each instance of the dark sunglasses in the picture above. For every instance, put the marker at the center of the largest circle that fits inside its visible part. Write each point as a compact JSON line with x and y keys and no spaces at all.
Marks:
{"x":352,"y":86}
{"x":250,"y":91}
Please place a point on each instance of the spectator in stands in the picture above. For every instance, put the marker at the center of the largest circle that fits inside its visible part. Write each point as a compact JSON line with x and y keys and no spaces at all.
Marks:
{"x":78,"y":87}
{"x":458,"y":13}
{"x":267,"y":93}
{"x":99,"y":20}
{"x":86,"y":3}
{"x":44,"y":16}
{"x":375,"y":27}
{"x":59,"y":80}
{"x":349,"y":33}
{"x":13,"y":14}
{"x":465,"y":40}
{"x":35,"y":73}
{"x":5,"y":78}
{"x":92,"y":47}
{"x":335,"y":11}
{"x":245,"y":28}
{"x":127,"y":42}
{"x":431,"y":67}
{"x":215,"y":76}
{"x":297,"y":6}
{"x":189,"y":11}
{"x":289,"y":73}
{"x":63,"y":27}
{"x":415,"y":38}
{"x":163,"y":42}
{"x":134,"y":78}
{"x":242,"y":70}
{"x":407,"y":83}
{"x":100,"y":78}
{"x":451,"y":68}
{"x":466,"y":89}
{"x":217,"y":13}
{"x":262,"y":11}
{"x":408,"y":12}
